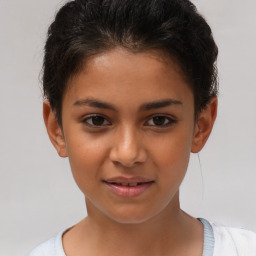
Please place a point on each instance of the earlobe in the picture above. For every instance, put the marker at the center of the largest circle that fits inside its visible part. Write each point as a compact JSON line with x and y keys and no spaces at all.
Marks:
{"x":54,"y":130}
{"x":204,"y":125}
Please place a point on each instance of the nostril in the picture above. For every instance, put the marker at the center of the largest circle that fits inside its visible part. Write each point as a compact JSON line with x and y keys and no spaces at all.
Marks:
{"x":127,"y":150}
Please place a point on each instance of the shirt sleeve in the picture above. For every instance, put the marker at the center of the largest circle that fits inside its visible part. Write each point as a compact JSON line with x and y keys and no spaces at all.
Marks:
{"x":52,"y":247}
{"x":234,"y":241}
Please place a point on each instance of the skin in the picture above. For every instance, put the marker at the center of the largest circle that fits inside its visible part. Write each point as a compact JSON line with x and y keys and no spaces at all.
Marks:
{"x":128,"y":142}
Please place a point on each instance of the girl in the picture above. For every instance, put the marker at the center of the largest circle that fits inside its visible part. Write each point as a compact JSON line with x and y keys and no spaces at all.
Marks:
{"x":131,"y":90}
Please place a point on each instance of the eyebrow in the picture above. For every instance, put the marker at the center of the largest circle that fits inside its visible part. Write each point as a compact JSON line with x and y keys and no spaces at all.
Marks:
{"x":146,"y":106}
{"x":94,"y":103}
{"x":159,"y":104}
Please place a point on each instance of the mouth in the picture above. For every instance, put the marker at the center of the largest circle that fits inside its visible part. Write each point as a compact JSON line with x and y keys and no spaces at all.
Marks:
{"x":128,"y":187}
{"x":134,"y":184}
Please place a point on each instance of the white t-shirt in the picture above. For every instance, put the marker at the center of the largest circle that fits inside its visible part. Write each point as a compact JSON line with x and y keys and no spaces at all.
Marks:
{"x":234,"y":241}
{"x":218,"y":241}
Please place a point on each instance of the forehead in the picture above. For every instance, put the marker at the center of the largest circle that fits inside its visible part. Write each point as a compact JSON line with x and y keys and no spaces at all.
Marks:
{"x":122,"y":76}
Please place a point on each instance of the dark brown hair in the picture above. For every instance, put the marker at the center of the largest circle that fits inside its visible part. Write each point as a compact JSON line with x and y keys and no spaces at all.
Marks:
{"x":83,"y":28}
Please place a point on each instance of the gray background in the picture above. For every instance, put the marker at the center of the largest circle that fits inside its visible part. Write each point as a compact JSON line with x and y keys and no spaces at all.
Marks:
{"x":38,"y":196}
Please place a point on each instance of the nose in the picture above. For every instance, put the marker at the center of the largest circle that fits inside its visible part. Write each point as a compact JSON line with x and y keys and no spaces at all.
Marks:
{"x":127,"y":148}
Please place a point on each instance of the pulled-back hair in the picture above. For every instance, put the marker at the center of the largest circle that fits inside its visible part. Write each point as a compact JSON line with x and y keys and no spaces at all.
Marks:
{"x":83,"y":28}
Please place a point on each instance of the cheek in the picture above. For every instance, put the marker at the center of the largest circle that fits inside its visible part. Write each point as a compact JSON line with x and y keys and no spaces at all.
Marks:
{"x":86,"y":155}
{"x":171,"y":155}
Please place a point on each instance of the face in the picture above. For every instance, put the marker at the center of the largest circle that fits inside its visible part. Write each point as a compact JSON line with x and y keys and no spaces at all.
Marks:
{"x":128,"y":130}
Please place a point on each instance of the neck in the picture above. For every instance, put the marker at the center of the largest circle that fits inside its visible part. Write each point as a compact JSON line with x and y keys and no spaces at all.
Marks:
{"x":163,"y":234}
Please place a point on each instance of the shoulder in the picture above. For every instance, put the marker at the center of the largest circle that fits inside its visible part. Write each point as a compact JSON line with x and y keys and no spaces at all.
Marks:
{"x":52,"y":247}
{"x":234,"y":241}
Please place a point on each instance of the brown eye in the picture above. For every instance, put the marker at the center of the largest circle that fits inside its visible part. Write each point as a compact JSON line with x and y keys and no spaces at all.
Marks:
{"x":160,"y":121}
{"x":96,"y":121}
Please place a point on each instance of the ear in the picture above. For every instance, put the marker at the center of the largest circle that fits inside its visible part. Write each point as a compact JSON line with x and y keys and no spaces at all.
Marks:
{"x":204,"y":125}
{"x":54,"y":130}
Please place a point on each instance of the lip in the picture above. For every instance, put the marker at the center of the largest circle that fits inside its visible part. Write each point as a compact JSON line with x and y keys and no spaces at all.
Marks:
{"x":128,"y":191}
{"x":121,"y":179}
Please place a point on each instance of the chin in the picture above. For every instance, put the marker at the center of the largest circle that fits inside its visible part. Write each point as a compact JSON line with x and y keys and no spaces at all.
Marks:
{"x":130,"y":215}
{"x":125,"y":213}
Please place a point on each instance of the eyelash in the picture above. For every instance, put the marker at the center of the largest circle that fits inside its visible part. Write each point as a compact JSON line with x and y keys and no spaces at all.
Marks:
{"x":85,"y":120}
{"x":169,"y":120}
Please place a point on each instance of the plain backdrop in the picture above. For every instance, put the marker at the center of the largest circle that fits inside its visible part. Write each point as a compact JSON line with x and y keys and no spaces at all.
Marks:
{"x":38,"y":196}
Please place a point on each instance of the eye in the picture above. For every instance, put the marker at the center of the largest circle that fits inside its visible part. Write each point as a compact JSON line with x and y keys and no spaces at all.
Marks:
{"x":96,"y":121}
{"x":160,"y":121}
